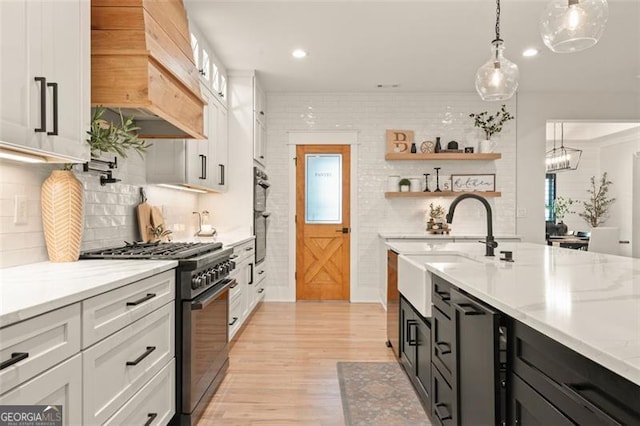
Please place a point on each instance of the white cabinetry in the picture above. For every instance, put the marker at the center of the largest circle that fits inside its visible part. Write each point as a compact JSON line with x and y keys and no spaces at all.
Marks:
{"x":44,"y":63}
{"x":200,"y":164}
{"x":240,"y":297}
{"x":107,"y":358}
{"x":212,"y":73}
{"x":260,"y":123}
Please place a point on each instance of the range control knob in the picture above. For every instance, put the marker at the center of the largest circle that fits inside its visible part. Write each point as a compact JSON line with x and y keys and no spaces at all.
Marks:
{"x":195,"y":282}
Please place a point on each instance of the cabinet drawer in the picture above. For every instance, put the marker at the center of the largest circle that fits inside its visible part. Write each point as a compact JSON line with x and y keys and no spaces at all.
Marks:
{"x":61,"y":385}
{"x":442,"y":408}
{"x":116,"y":368}
{"x":260,"y":290}
{"x":154,"y":404}
{"x":529,"y":408}
{"x":235,"y":290}
{"x":442,"y":344}
{"x":586,"y":392}
{"x":261,"y":273}
{"x":235,"y":317}
{"x":46,"y":340}
{"x":243,"y":251}
{"x":109,"y":312}
{"x":441,"y":294}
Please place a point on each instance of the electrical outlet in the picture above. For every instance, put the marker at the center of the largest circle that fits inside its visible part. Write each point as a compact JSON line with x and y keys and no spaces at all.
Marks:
{"x":521,"y":212}
{"x":20,"y":210}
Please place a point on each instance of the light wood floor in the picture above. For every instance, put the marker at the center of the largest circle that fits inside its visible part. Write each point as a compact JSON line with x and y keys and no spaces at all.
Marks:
{"x":283,"y":364}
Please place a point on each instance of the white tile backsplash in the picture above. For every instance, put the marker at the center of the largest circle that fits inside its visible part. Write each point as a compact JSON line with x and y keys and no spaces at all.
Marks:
{"x":110,"y":210}
{"x":429,"y":115}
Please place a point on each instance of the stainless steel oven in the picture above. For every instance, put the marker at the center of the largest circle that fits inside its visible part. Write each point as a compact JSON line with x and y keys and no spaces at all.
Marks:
{"x":260,"y":214}
{"x":204,"y":347}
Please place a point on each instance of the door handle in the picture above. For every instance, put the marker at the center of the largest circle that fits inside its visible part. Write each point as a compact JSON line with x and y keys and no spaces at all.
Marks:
{"x":221,"y":174}
{"x":467,"y":309}
{"x":150,"y":418}
{"x":43,"y":105}
{"x":15,"y":357}
{"x":442,"y":412}
{"x":141,"y":300}
{"x":445,"y":345}
{"x":411,"y":341}
{"x":251,"y":273}
{"x":343,"y":230}
{"x":202,"y":175}
{"x":54,"y":86}
{"x":143,"y":356}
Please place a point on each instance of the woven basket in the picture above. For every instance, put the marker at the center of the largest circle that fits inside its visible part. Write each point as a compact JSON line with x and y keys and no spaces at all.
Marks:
{"x":62,"y":215}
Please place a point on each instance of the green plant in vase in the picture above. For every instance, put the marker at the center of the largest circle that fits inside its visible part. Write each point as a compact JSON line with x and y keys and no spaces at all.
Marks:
{"x":596,"y":209}
{"x":561,"y":208}
{"x":491,"y":125}
{"x":404,"y":184}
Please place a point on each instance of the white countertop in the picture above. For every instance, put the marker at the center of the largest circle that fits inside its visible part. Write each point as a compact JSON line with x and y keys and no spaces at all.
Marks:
{"x":447,"y":237}
{"x":228,"y":239}
{"x":589,"y":302}
{"x":33,"y":289}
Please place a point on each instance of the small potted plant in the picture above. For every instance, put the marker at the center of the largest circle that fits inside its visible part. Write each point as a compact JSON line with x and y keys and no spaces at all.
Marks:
{"x":561,"y":208}
{"x":404,"y":185}
{"x":436,"y":219}
{"x":490,"y":125}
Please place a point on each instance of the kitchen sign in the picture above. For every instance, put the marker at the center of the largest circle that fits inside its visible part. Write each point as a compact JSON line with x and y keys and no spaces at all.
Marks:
{"x":473,"y":183}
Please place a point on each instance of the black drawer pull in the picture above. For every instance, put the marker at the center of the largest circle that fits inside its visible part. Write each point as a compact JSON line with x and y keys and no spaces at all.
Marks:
{"x":261,"y":290}
{"x":445,"y":345}
{"x":411,"y":340}
{"x":234,"y":285}
{"x":54,"y":86}
{"x":233,"y":256}
{"x":261,"y":272}
{"x":445,"y":296}
{"x":15,"y":357}
{"x":143,"y":356}
{"x":151,"y":418}
{"x":142,"y":300}
{"x":573,"y":392}
{"x":442,"y":412}
{"x":467,"y":309}
{"x":248,"y":249}
{"x":234,"y":321}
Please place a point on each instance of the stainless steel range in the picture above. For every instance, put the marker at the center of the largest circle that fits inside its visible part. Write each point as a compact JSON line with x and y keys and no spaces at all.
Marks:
{"x":202,"y":310}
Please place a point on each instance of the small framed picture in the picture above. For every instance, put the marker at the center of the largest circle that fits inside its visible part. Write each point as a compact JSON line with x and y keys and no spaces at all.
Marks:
{"x":468,"y":150}
{"x":473,"y":183}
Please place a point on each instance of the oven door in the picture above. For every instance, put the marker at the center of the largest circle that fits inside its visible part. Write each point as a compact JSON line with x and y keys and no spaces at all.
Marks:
{"x":205,"y":351}
{"x":260,"y":228}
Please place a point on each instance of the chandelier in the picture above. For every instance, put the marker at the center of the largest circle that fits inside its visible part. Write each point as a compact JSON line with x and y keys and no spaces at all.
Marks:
{"x":563,"y":158}
{"x":497,"y":79}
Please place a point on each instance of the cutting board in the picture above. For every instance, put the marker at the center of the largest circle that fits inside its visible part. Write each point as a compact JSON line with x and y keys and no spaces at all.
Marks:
{"x":157,"y":219}
{"x":144,"y":217}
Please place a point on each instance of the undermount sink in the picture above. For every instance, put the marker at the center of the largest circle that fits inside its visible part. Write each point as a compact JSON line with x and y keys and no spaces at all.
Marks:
{"x":414,"y":281}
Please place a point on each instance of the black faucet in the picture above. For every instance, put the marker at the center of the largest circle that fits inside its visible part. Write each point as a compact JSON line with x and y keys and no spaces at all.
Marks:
{"x":489,"y":241}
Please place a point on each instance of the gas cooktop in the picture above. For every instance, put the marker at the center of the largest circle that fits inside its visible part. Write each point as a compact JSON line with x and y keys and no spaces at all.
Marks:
{"x":170,"y":251}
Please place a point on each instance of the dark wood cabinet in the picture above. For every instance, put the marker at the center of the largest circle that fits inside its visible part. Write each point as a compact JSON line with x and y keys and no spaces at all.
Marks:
{"x":393,"y":303}
{"x":528,"y":408}
{"x":415,"y":350}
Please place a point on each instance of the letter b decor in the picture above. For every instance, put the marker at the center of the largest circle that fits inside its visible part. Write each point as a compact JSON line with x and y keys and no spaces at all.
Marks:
{"x":399,"y":141}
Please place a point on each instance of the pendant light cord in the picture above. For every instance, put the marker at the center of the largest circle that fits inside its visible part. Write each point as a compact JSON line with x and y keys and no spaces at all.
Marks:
{"x":497,"y":22}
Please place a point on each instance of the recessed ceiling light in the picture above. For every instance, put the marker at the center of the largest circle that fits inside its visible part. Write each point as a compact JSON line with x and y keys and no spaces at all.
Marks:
{"x":387,"y":86}
{"x":532,"y":51}
{"x":299,"y":53}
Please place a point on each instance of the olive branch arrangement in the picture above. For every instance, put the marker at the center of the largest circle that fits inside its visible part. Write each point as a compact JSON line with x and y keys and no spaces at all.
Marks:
{"x":492,"y":124}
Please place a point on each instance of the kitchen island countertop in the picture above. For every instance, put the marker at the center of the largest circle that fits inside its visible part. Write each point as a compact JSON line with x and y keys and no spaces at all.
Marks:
{"x":589,"y":302}
{"x":33,"y":289}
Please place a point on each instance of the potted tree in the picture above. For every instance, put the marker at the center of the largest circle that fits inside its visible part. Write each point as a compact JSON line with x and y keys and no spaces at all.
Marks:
{"x":490,"y":125}
{"x":404,"y":185}
{"x":596,"y":209}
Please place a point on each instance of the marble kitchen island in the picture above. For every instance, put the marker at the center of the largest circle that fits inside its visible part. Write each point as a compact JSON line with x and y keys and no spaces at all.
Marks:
{"x":573,"y":304}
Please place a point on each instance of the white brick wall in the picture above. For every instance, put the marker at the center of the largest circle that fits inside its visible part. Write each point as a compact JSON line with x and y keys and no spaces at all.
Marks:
{"x":429,"y":115}
{"x":110,"y":215}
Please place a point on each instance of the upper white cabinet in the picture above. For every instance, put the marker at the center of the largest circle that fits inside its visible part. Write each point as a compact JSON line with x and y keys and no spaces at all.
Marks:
{"x":200,"y":164}
{"x":45,"y":84}
{"x":260,"y":123}
{"x":212,"y":72}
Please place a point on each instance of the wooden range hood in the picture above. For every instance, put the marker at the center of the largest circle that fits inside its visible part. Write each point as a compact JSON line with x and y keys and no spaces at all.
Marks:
{"x":142,"y":63}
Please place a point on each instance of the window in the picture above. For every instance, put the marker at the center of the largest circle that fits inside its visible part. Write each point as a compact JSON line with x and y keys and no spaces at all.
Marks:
{"x":323,"y":182}
{"x":549,"y":196}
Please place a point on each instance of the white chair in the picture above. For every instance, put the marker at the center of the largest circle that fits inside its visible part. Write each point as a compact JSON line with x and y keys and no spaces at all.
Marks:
{"x":605,"y":240}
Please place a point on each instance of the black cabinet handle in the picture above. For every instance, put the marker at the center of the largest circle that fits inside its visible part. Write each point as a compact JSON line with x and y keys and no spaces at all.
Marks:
{"x":15,"y":357}
{"x":234,"y":285}
{"x":221,"y":94}
{"x":261,"y":272}
{"x":411,"y":341}
{"x":142,"y":300}
{"x":248,"y":249}
{"x":261,"y":112}
{"x":467,"y":309}
{"x":221,"y":174}
{"x":43,"y":105}
{"x":54,"y":86}
{"x":443,"y":347}
{"x":573,"y":392}
{"x":251,"y":276}
{"x":202,"y":167}
{"x":205,"y":166}
{"x":151,"y":418}
{"x":233,"y":256}
{"x":445,"y":296}
{"x":261,"y":290}
{"x":143,"y":356}
{"x":442,"y":412}
{"x":234,"y":321}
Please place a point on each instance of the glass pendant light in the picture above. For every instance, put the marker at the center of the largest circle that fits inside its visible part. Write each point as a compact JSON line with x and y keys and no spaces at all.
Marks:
{"x":497,"y":80}
{"x":573,"y":25}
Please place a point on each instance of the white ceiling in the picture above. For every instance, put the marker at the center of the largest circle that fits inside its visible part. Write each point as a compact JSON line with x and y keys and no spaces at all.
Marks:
{"x":422,"y":45}
{"x":586,"y":131}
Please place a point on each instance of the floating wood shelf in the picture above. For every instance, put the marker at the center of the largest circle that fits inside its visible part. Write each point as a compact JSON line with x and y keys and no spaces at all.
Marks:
{"x":444,"y":156}
{"x":438,"y":194}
